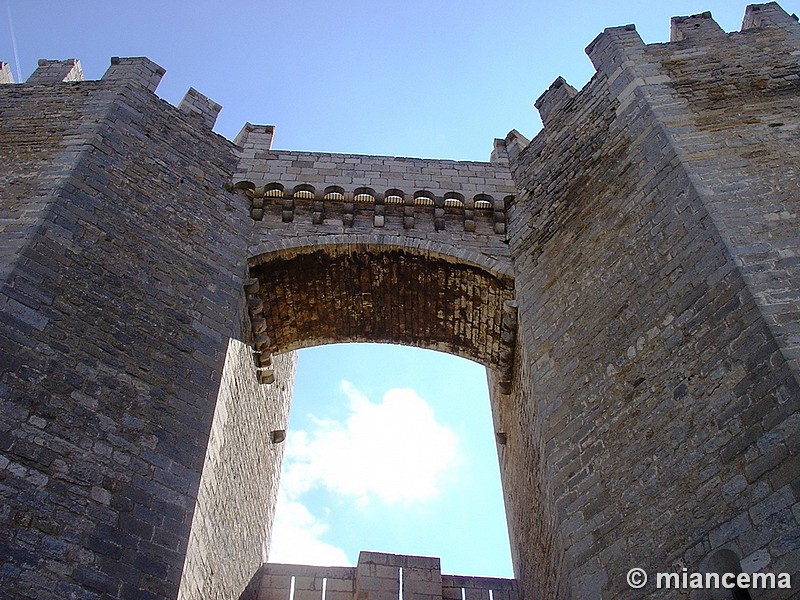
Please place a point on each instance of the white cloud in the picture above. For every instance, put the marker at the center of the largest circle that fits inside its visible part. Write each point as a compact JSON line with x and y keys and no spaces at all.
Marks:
{"x":395,"y":451}
{"x":295,"y":538}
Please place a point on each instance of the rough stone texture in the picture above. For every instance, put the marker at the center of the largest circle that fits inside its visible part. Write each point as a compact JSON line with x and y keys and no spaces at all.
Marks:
{"x":396,"y":297}
{"x":52,"y":71}
{"x":196,"y":104}
{"x":476,"y":588}
{"x":274,"y":582}
{"x":115,"y":328}
{"x":239,"y":488}
{"x":390,"y":245}
{"x":450,"y":207}
{"x":376,"y":577}
{"x":633,"y":293}
{"x":655,"y":235}
{"x":262,"y":165}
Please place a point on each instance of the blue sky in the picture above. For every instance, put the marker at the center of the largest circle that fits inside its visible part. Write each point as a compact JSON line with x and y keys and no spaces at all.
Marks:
{"x":429,"y":79}
{"x":391,"y":449}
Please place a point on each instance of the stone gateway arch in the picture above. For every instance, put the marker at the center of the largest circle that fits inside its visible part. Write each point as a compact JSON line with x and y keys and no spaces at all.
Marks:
{"x":630,"y":278}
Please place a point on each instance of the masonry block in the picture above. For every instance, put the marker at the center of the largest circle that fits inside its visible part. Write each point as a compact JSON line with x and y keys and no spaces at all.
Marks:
{"x":769,"y":14}
{"x":195,"y":103}
{"x":5,"y":73}
{"x":615,"y":49}
{"x":695,"y":27}
{"x":256,"y":138}
{"x":138,"y":71}
{"x":554,"y":98}
{"x":53,"y":71}
{"x":684,"y":115}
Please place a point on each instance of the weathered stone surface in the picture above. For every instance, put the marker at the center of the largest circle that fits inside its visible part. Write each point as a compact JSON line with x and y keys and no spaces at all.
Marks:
{"x":115,"y":330}
{"x":230,"y":539}
{"x":629,"y":277}
{"x":397,"y":296}
{"x":653,"y":234}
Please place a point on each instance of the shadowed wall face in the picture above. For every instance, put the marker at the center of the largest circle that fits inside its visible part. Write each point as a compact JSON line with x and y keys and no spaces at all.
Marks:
{"x":232,"y":522}
{"x":115,"y":328}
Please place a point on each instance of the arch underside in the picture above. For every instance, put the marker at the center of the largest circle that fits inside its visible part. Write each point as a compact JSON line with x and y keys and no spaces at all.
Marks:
{"x":395,"y":295}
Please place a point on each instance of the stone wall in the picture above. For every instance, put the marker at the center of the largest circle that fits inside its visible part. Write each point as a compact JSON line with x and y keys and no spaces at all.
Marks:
{"x":643,"y":366}
{"x":377,"y":576}
{"x":123,"y":266}
{"x":402,"y":250}
{"x":383,"y":295}
{"x":39,"y":147}
{"x":279,"y":582}
{"x":299,"y":200}
{"x":654,"y":413}
{"x":388,"y":192}
{"x":232,"y":523}
{"x":460,"y":587}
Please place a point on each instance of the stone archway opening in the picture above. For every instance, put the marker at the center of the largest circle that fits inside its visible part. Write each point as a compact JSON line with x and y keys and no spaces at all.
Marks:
{"x":385,"y":293}
{"x":390,"y":449}
{"x":423,"y":297}
{"x":312,"y":291}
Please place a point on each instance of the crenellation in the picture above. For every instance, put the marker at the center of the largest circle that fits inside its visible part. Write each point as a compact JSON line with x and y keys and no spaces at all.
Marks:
{"x":615,"y":49}
{"x":554,"y":99}
{"x":377,"y":576}
{"x":682,"y":183}
{"x":515,"y":143}
{"x":55,"y":71}
{"x":769,"y":14}
{"x":255,"y":137}
{"x":195,"y":103}
{"x":378,"y":172}
{"x":628,"y":277}
{"x":701,"y":27}
{"x":139,"y":71}
{"x":6,"y":76}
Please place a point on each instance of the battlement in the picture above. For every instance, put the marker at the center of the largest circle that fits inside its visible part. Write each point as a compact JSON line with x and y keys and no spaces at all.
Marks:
{"x":135,"y":71}
{"x":335,"y":186}
{"x":620,"y":55}
{"x":326,"y":186}
{"x":629,"y":278}
{"x":377,"y":576}
{"x":52,"y":71}
{"x":451,"y":210}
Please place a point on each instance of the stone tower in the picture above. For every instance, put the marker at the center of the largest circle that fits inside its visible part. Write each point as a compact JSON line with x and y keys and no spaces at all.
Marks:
{"x":630,"y":278}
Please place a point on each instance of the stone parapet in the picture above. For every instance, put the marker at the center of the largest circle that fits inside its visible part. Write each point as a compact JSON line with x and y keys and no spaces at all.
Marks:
{"x":377,"y":576}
